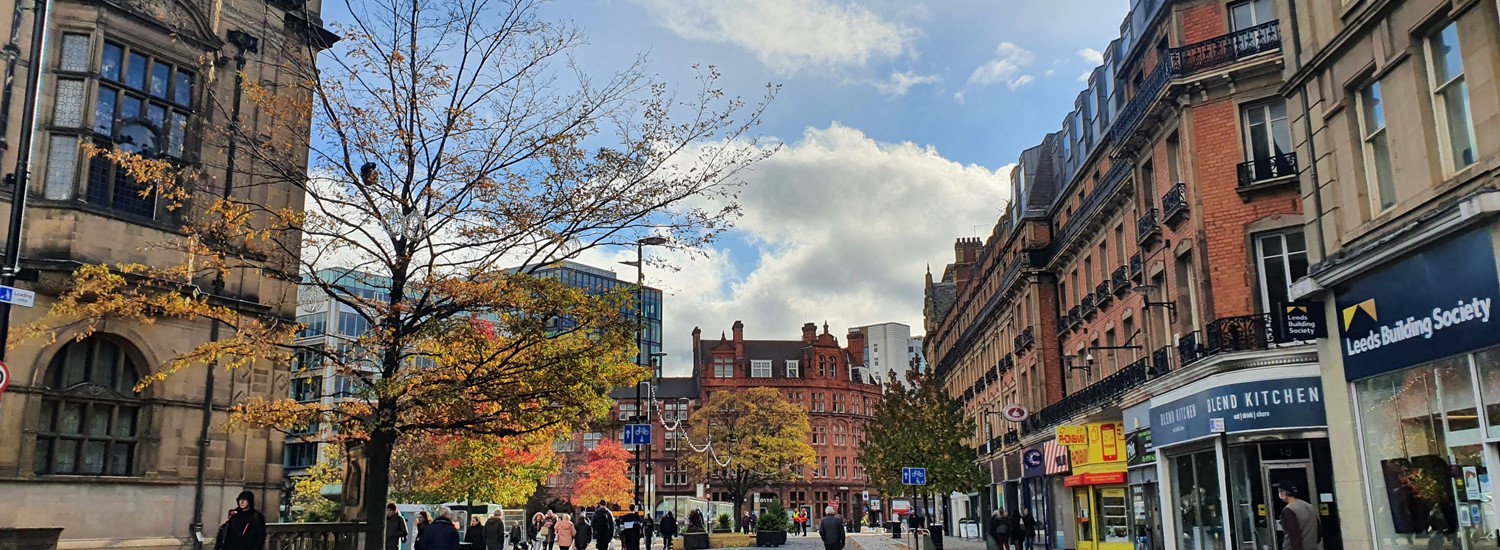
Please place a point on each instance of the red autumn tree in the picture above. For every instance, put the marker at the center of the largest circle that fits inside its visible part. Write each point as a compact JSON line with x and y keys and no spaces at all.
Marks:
{"x":604,"y":476}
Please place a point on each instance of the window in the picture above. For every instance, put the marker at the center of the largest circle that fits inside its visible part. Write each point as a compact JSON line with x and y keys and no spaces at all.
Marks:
{"x":672,"y":441}
{"x":88,"y":421}
{"x":822,"y":466}
{"x":1243,"y":15}
{"x":307,"y":389}
{"x":819,"y":435}
{"x":1450,"y":95}
{"x":315,"y":324}
{"x":591,"y":440}
{"x":838,"y":402}
{"x":1119,"y":249}
{"x":627,"y":411}
{"x":675,"y":411}
{"x":300,"y":455}
{"x":352,"y":324}
{"x":1196,"y":479}
{"x":1283,"y":260}
{"x":1266,"y":132}
{"x":1378,"y":176}
{"x":760,"y":368}
{"x":142,"y":105}
{"x":723,"y":367}
{"x":793,"y":369}
{"x":817,"y":402}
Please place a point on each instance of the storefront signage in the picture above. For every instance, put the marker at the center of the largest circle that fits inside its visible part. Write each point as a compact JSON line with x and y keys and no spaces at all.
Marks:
{"x":1032,"y":463}
{"x":1072,"y":436}
{"x":1106,"y":445}
{"x":1296,"y":321}
{"x":1107,"y":478}
{"x":1138,"y":449}
{"x":1431,"y":305}
{"x":1246,"y":406}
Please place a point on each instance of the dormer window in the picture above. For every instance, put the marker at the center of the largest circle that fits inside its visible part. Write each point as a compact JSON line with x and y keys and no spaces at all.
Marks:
{"x":760,"y":368}
{"x":723,"y":367}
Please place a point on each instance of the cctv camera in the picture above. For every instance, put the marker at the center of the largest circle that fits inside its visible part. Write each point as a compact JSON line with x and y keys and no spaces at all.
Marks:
{"x":1088,"y":358}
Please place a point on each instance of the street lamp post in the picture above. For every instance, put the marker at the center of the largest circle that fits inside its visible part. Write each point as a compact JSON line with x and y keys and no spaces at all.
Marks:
{"x":640,"y":341}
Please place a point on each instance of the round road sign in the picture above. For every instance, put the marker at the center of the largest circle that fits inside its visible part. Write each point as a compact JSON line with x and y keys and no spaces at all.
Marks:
{"x":4,"y":377}
{"x":1015,"y":413}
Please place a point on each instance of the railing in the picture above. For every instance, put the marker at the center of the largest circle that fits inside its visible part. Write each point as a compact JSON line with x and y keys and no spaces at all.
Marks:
{"x":1062,"y":324}
{"x":1174,"y":202}
{"x":1025,"y":339}
{"x":1229,"y":335}
{"x":1137,"y":265}
{"x":1090,"y":206}
{"x":1075,"y":316}
{"x":1087,"y":306}
{"x":1226,"y":49}
{"x":314,"y":536}
{"x":1161,"y":361}
{"x":1140,"y":103}
{"x":1006,"y":363}
{"x":1104,"y":391}
{"x":1012,"y":438}
{"x":1120,"y":279}
{"x":1147,"y":227}
{"x":1102,"y":295}
{"x":1262,"y":169}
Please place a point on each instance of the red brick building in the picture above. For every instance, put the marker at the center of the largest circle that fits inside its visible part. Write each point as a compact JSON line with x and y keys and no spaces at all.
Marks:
{"x":828,"y":380}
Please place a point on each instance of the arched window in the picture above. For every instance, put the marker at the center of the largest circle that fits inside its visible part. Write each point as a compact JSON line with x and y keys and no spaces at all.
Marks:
{"x":90,"y":411}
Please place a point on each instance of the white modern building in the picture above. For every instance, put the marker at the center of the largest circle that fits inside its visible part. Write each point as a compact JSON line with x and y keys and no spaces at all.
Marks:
{"x":914,"y":355}
{"x":887,"y":350}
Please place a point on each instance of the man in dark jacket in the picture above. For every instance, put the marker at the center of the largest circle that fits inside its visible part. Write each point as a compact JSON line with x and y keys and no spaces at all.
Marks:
{"x":585,"y":532}
{"x":831,"y":530}
{"x":494,"y":532}
{"x":631,"y":527}
{"x":442,"y":534}
{"x":395,"y":528}
{"x":246,"y":529}
{"x":603,"y":526}
{"x":668,"y":530}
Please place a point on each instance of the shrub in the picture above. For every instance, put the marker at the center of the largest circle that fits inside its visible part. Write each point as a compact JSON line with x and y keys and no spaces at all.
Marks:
{"x":774,"y":518}
{"x":723,"y":521}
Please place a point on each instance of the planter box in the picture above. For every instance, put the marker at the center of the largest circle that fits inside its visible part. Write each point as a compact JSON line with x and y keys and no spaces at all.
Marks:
{"x":766,"y":538}
{"x":694,"y":541}
{"x":38,"y":538}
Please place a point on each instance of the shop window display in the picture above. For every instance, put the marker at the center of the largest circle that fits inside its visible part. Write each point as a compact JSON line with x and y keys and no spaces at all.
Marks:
{"x":1423,"y":448}
{"x":1199,"y":519}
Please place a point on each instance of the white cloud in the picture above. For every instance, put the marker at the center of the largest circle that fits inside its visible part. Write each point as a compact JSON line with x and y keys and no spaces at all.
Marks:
{"x":1050,"y":72}
{"x":788,"y":35}
{"x":841,"y":227}
{"x":958,"y":97}
{"x":902,"y":82}
{"x":1007,"y":66}
{"x":1091,"y":56}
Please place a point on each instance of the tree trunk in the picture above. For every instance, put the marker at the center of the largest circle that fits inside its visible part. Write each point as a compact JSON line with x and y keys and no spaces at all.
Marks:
{"x":377,"y":486}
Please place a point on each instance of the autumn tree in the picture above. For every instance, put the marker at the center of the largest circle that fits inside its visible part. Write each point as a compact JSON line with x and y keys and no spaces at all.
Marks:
{"x":439,"y":145}
{"x":917,"y":424}
{"x":604,"y":476}
{"x":757,"y":439}
{"x":435,"y":469}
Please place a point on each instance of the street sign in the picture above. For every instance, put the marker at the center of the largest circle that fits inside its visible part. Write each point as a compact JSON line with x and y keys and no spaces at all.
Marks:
{"x":1015,"y":413}
{"x":914,"y":476}
{"x":637,"y":434}
{"x":4,"y":377}
{"x":17,"y":296}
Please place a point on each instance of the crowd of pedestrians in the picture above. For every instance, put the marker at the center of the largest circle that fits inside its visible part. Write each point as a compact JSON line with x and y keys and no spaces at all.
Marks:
{"x":545,"y":531}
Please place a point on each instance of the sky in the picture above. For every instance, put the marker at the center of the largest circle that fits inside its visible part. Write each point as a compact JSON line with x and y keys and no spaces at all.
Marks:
{"x":900,"y":121}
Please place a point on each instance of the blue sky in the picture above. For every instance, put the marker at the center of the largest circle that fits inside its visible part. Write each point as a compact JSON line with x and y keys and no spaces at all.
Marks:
{"x":899,"y":121}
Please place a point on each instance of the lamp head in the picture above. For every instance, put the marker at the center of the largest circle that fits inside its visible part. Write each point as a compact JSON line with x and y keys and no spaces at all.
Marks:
{"x":652,"y":241}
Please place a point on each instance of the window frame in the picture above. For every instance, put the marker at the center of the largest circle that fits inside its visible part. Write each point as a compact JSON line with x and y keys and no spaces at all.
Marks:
{"x":760,"y":368}
{"x":793,"y":368}
{"x":1247,"y":128}
{"x":1439,"y":99}
{"x":1373,"y":181}
{"x":87,"y":393}
{"x":1285,"y":255}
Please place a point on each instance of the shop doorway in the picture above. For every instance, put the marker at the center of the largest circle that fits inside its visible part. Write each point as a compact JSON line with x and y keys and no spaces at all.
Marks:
{"x":1299,"y":473}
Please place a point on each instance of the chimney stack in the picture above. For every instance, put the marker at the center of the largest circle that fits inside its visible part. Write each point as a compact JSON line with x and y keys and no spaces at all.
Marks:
{"x":809,"y":333}
{"x":739,"y":339}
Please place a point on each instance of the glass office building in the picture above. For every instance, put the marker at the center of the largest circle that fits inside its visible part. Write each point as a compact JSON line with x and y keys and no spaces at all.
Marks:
{"x":600,"y":281}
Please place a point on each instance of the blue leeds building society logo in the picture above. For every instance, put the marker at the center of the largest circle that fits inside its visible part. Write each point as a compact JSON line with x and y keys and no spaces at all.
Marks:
{"x":1476,"y":309}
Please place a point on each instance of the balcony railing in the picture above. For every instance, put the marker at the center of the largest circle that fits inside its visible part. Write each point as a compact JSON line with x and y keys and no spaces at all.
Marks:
{"x":314,"y":536}
{"x":1226,"y":49}
{"x":1094,"y":395}
{"x":1025,"y":339}
{"x":1119,"y":281}
{"x":1075,"y":316}
{"x":1087,"y":306}
{"x":1063,"y":323}
{"x":1262,"y":169}
{"x":1145,"y":95}
{"x":1147,"y":227}
{"x":1102,"y":294}
{"x":1229,"y":335}
{"x":1174,"y":203}
{"x":1006,"y":363}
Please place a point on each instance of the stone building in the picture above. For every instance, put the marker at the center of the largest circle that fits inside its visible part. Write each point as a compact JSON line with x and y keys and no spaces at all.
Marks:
{"x":79,"y":448}
{"x":828,"y":380}
{"x":1398,"y":101}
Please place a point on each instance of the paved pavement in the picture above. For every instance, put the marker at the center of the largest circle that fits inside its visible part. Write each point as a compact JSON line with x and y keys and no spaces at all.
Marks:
{"x":883,"y":541}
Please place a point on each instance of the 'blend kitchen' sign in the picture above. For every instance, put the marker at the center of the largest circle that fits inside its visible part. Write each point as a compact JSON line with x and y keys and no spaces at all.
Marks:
{"x":1243,"y":407}
{"x":1434,"y":304}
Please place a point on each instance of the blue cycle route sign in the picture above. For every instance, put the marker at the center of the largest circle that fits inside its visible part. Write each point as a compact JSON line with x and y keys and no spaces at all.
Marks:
{"x":914,"y":476}
{"x":637,"y":434}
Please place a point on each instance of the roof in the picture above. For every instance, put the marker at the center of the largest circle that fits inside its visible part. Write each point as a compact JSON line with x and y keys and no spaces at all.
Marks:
{"x":667,"y":387}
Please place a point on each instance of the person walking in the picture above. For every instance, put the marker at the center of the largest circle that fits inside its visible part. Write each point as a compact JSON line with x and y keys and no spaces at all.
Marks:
{"x":999,"y":529}
{"x":494,"y":532}
{"x":630,"y":529}
{"x":474,"y":536}
{"x":803,"y":519}
{"x":423,"y":522}
{"x":585,"y":531}
{"x":1021,"y":529}
{"x":1301,"y":529}
{"x":395,"y":528}
{"x":603,"y":526}
{"x":517,"y":536}
{"x":667,"y":530}
{"x":549,"y":530}
{"x":831,"y":530}
{"x":566,"y":532}
{"x":246,"y":529}
{"x":441,"y":534}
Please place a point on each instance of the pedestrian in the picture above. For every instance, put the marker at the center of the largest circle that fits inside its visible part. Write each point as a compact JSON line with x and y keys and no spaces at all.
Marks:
{"x":395,"y":528}
{"x":549,"y":530}
{"x":246,"y":529}
{"x":441,"y":534}
{"x":585,"y":531}
{"x":753,"y":518}
{"x":668,"y":530}
{"x":566,"y":532}
{"x":630,"y":529}
{"x":1301,"y":529}
{"x":802,"y":521}
{"x":224,"y":530}
{"x":423,"y":521}
{"x":1021,"y":528}
{"x":831,"y":530}
{"x":603,"y":526}
{"x":517,"y":536}
{"x":474,"y":536}
{"x":999,"y":529}
{"x":494,"y":532}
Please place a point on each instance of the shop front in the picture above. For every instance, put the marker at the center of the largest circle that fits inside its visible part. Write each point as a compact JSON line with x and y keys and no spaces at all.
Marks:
{"x":1224,"y":442}
{"x":1098,"y":489}
{"x":1419,"y":355}
{"x":1141,"y":480}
